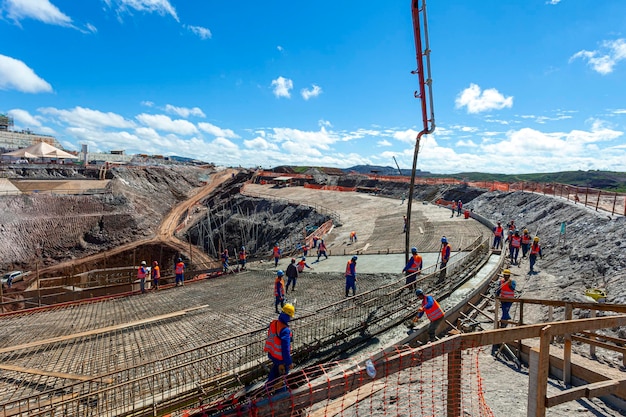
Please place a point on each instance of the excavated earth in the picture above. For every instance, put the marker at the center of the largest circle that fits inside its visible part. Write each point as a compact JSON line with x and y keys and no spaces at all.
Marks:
{"x":50,"y":229}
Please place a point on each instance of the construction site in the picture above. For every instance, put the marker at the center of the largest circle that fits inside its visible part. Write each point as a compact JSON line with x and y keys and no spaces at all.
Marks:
{"x":80,"y":339}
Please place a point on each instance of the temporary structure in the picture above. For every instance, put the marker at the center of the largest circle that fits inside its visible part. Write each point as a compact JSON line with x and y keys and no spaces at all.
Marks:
{"x":41,"y":150}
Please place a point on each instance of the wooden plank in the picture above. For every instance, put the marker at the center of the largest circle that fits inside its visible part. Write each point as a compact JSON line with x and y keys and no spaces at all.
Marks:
{"x":61,"y":375}
{"x":597,"y":343}
{"x":596,"y":389}
{"x":337,"y":406}
{"x":96,"y":331}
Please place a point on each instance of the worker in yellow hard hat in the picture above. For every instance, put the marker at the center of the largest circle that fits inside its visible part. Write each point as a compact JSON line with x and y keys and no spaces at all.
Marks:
{"x":535,"y":250}
{"x":278,"y":343}
{"x":506,"y":289}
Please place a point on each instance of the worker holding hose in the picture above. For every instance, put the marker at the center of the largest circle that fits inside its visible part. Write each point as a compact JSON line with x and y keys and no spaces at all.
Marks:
{"x":433,"y":311}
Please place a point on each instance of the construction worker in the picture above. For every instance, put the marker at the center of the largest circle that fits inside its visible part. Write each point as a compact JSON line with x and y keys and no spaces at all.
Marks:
{"x":351,"y":276}
{"x":526,"y":241}
{"x":433,"y":311}
{"x":242,"y":258}
{"x":179,"y":270}
{"x":278,"y":343}
{"x":276,"y":254}
{"x":506,"y":289}
{"x":445,"y":257}
{"x":413,"y":267}
{"x":321,"y":250}
{"x":156,"y":274}
{"x":453,"y":208}
{"x":225,"y":260}
{"x":515,"y":242}
{"x":497,"y":236}
{"x":353,"y":238}
{"x":535,"y":249}
{"x":279,"y":290}
{"x":511,"y":226}
{"x":142,"y":272}
{"x":305,"y":249}
{"x":459,"y":207}
{"x":292,"y":275}
{"x":315,"y":239}
{"x":302,"y":264}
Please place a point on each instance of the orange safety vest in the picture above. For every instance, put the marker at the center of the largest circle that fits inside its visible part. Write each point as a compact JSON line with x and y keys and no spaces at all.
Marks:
{"x":498,"y":231}
{"x":445,"y":256}
{"x":272,"y":343}
{"x":506,"y":291}
{"x":417,"y":264}
{"x":348,"y":269}
{"x":141,"y":272}
{"x":242,"y":255}
{"x":156,"y":272}
{"x":516,"y":241}
{"x":282,"y":284}
{"x":534,"y":249}
{"x":276,"y":251}
{"x":433,"y":313}
{"x":180,"y":268}
{"x":525,"y":239}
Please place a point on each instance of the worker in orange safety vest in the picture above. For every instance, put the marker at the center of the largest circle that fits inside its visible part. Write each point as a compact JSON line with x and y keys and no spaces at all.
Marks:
{"x":413,"y":267}
{"x":433,"y":311}
{"x":179,"y":270}
{"x":278,"y":343}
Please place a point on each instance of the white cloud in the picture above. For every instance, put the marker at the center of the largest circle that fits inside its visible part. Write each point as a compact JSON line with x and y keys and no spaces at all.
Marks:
{"x":467,"y":143}
{"x":383,"y":142}
{"x":282,"y":87}
{"x":619,"y":111}
{"x":147,"y":103}
{"x":280,"y":48}
{"x":605,"y":58}
{"x":80,"y":116}
{"x":476,"y":101}
{"x":184,"y":111}
{"x":164,"y":123}
{"x":225,"y":145}
{"x":162,"y":7}
{"x":202,"y":33}
{"x":259,"y":143}
{"x":313,"y":92}
{"x":553,"y":2}
{"x":24,"y":118}
{"x":321,"y":139}
{"x":16,"y":75}
{"x":324,"y":123}
{"x":217,"y":131}
{"x":407,"y":136}
{"x":41,"y":10}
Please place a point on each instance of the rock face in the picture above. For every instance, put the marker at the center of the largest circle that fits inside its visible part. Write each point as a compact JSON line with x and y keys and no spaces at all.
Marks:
{"x":591,"y":253}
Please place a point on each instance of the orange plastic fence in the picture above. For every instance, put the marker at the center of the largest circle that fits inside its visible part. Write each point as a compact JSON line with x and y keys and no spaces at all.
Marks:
{"x":413,"y":386}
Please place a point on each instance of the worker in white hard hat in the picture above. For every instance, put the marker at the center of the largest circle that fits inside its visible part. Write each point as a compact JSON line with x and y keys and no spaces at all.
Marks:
{"x":142,"y":272}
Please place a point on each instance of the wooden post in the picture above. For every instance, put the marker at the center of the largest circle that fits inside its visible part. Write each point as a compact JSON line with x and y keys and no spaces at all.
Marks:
{"x":38,"y":286}
{"x":495,"y":314}
{"x":614,"y":202}
{"x":586,"y":195}
{"x":454,"y":384}
{"x":539,"y":370}
{"x":598,"y":200}
{"x":567,"y":349}
{"x":592,"y":348}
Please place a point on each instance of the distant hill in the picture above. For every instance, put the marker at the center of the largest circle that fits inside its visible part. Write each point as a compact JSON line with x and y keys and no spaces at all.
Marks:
{"x":604,"y":180}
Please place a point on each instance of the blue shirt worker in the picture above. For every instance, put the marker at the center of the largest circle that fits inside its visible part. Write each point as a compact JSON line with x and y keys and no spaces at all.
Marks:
{"x":225,"y":260}
{"x":278,"y":343}
{"x":498,"y":231}
{"x":302,"y":264}
{"x":279,"y":290}
{"x":413,"y":267}
{"x":179,"y":270}
{"x":142,"y":272}
{"x":506,"y":289}
{"x":292,"y":275}
{"x":351,"y":276}
{"x":433,"y":311}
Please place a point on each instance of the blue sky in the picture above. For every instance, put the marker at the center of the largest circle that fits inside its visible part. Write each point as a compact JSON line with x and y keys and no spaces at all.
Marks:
{"x":519,"y":86}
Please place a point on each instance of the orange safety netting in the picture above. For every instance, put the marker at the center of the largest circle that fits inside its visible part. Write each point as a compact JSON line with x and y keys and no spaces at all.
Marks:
{"x":402,"y":382}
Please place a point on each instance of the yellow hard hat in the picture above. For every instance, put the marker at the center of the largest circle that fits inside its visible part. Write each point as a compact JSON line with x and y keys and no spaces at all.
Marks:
{"x":525,"y":230}
{"x":506,"y":272}
{"x":536,"y":239}
{"x":289,"y":309}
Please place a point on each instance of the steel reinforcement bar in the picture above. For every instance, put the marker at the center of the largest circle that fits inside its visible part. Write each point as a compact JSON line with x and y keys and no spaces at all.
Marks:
{"x":220,"y":368}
